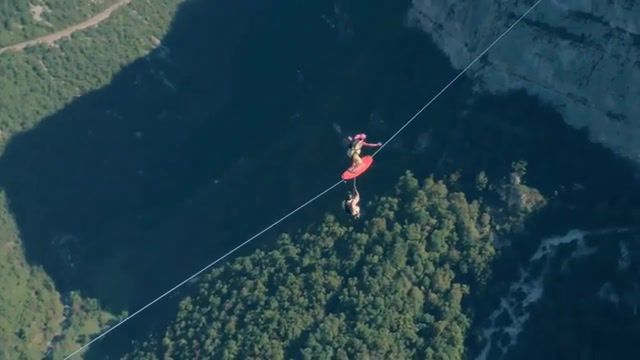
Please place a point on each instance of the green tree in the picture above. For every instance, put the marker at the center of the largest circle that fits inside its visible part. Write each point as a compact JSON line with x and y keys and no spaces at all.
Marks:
{"x":390,"y":289}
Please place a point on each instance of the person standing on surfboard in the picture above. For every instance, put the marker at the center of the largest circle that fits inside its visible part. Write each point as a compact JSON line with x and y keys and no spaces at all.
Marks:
{"x":357,"y":142}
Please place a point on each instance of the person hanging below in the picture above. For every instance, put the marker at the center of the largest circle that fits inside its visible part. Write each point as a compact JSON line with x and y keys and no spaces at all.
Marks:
{"x":355,"y":148}
{"x":352,"y":204}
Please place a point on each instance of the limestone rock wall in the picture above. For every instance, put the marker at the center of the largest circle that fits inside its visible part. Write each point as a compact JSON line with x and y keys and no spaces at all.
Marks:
{"x":581,"y":56}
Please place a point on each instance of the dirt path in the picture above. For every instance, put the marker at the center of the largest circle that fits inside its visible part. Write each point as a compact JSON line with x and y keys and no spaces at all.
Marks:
{"x":51,"y":38}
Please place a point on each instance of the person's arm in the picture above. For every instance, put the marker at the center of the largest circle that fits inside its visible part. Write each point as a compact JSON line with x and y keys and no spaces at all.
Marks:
{"x":371,"y":145}
{"x":356,"y":197}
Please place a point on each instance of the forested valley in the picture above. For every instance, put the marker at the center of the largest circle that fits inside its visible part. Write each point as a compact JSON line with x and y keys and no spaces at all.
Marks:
{"x":391,"y":287}
{"x":136,"y":151}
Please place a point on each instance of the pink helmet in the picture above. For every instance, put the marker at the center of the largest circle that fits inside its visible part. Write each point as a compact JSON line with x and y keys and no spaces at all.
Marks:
{"x":361,"y":136}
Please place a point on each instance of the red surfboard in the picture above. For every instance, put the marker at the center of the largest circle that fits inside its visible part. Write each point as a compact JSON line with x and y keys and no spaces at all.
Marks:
{"x":359,"y":170}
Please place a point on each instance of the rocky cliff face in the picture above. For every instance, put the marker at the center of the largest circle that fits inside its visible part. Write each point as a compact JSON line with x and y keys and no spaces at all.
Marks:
{"x":581,"y":56}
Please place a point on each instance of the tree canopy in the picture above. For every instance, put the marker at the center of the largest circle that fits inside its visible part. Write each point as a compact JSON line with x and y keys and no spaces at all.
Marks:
{"x":389,"y":288}
{"x":22,"y":20}
{"x":35,"y":83}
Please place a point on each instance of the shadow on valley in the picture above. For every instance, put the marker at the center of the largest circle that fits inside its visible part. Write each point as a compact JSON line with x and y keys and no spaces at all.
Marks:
{"x":226,"y":126}
{"x":90,"y":181}
{"x":237,"y":118}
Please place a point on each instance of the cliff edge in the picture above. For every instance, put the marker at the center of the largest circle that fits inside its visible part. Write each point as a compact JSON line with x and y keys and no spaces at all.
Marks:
{"x":581,"y":56}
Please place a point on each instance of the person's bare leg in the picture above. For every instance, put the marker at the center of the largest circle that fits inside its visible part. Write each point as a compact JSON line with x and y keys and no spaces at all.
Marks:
{"x":355,"y":161}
